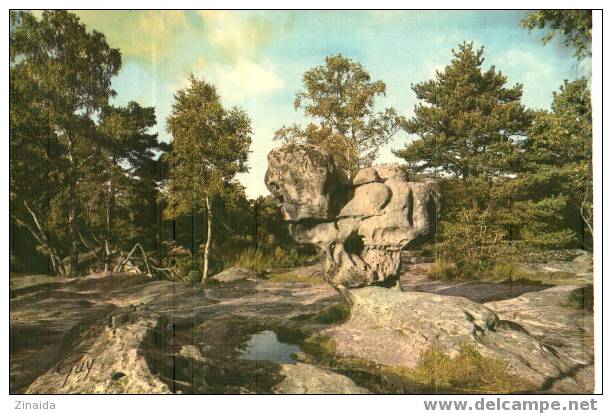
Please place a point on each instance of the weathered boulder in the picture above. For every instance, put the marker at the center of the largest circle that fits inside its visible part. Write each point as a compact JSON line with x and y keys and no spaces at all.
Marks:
{"x":394,"y":328}
{"x":368,"y":200}
{"x":361,"y":226}
{"x":309,"y":379}
{"x":366,"y":176}
{"x":234,"y":274}
{"x":391,"y":171}
{"x":113,"y":364}
{"x":306,"y":182}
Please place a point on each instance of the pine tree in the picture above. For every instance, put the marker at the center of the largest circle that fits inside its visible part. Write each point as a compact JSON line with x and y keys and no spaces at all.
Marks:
{"x":468,"y":122}
{"x":558,"y":170}
{"x":123,"y":177}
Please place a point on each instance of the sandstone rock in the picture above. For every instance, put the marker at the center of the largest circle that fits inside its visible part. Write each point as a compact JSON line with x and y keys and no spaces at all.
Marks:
{"x":192,"y":352}
{"x":308,"y":379}
{"x":569,"y":263}
{"x":234,"y":274}
{"x":545,"y":314}
{"x":148,"y":336}
{"x":365,"y":176}
{"x":116,"y":363}
{"x":315,"y":233}
{"x":306,"y":182}
{"x":360,"y":234}
{"x":369,"y":200}
{"x":152,"y":336}
{"x":314,"y":271}
{"x":348,"y":269}
{"x":408,"y":323}
{"x":391,"y":171}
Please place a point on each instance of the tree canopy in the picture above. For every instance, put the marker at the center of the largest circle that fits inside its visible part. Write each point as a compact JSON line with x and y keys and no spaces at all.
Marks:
{"x":63,"y":73}
{"x":575,"y":26}
{"x":341,"y":97}
{"x":210,"y":146}
{"x":468,"y":121}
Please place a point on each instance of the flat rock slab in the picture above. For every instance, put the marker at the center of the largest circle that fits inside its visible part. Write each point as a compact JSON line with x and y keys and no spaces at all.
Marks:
{"x":314,"y":271}
{"x":476,"y":291}
{"x":309,"y":379}
{"x":148,"y":336}
{"x":393,"y":328}
{"x":546,"y":316}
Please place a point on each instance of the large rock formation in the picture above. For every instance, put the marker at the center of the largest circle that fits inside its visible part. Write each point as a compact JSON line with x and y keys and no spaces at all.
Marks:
{"x":360,"y":225}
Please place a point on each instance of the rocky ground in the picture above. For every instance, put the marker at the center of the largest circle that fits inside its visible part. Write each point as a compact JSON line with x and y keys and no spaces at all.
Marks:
{"x":127,"y":333}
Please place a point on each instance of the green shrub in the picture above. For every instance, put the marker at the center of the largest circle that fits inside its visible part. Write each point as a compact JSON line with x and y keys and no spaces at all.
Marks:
{"x":471,"y":243}
{"x":252,"y":259}
{"x":185,"y":269}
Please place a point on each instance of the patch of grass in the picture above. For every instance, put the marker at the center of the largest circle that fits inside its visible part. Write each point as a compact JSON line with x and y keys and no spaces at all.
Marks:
{"x":252,"y":259}
{"x":436,"y":372}
{"x":469,"y":371}
{"x":321,"y":348}
{"x":261,"y":260}
{"x":293,"y":278}
{"x":504,"y":272}
{"x":581,"y":299}
{"x":442,"y":269}
{"x":334,"y":314}
{"x":211,"y":281}
{"x":289,"y":335}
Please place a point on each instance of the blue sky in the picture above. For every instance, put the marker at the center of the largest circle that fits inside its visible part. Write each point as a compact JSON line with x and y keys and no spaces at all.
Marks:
{"x":257,"y":58}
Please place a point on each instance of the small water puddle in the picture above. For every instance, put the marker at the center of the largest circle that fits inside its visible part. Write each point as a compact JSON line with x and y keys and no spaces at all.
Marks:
{"x":266,"y":346}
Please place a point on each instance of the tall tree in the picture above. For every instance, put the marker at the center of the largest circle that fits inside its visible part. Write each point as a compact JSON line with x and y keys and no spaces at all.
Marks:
{"x":125,"y":168}
{"x":37,"y":167}
{"x":69,"y":70}
{"x":558,"y":158}
{"x":575,"y":26}
{"x":210,"y":146}
{"x":341,"y":97}
{"x":469,"y":122}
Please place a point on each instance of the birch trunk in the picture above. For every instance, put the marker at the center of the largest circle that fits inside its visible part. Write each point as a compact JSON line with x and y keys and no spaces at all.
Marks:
{"x":108,"y":237}
{"x":208,"y":238}
{"x":73,"y":210}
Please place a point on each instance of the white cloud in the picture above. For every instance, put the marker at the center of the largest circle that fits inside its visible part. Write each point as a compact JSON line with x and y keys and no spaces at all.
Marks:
{"x":536,"y":75}
{"x":520,"y":58}
{"x":235,"y":35}
{"x":243,"y":79}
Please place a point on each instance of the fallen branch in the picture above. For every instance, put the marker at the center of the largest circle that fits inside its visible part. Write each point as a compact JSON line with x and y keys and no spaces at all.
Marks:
{"x":122,"y":264}
{"x":89,"y":246}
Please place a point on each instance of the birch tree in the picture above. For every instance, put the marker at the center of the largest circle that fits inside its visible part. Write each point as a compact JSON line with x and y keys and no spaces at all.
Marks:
{"x":210,"y":146}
